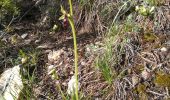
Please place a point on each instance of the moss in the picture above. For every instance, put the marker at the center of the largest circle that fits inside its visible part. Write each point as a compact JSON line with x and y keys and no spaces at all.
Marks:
{"x":149,"y":37}
{"x":141,"y":88}
{"x":162,"y":80}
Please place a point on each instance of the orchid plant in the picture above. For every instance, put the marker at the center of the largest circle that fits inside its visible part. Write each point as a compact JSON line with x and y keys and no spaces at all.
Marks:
{"x":69,"y":16}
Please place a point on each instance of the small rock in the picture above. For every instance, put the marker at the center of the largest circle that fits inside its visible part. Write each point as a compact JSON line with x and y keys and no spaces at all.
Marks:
{"x":146,"y":75}
{"x":163,"y":49}
{"x":24,"y":35}
{"x":135,"y":80}
{"x":83,"y":63}
{"x":27,"y":41}
{"x":67,"y":38}
{"x":37,"y":41}
{"x":45,"y":46}
{"x":54,"y":55}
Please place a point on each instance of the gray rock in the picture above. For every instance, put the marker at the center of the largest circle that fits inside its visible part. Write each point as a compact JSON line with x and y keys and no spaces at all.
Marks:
{"x":10,"y":84}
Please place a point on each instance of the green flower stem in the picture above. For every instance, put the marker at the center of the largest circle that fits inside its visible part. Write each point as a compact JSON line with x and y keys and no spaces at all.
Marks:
{"x":70,"y":18}
{"x":71,"y":8}
{"x":75,"y":54}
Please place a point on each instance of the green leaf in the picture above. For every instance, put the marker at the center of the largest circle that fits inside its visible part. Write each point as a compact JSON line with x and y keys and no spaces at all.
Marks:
{"x":62,"y":17}
{"x":63,"y":11}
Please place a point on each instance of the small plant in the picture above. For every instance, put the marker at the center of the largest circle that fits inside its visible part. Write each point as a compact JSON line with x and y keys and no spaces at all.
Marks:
{"x":105,"y":68}
{"x":145,"y":11}
{"x":154,"y":2}
{"x":8,"y":7}
{"x":29,"y":62}
{"x":69,"y":17}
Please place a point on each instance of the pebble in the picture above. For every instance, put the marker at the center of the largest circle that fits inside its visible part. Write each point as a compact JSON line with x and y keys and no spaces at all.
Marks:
{"x":24,"y":35}
{"x":135,"y":80}
{"x":163,"y":49}
{"x":145,"y":74}
{"x":28,"y":41}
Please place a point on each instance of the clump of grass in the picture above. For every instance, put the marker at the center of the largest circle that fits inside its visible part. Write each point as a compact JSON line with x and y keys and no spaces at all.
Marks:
{"x":103,"y":63}
{"x":115,"y":42}
{"x":29,"y":62}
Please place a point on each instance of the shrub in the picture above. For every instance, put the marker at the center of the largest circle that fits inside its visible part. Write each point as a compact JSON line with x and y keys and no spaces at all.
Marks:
{"x":8,"y":10}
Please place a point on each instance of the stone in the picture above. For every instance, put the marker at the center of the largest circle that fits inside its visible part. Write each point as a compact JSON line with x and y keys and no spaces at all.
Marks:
{"x":10,"y":84}
{"x":135,"y":80}
{"x":146,"y":75}
{"x":24,"y":35}
{"x":54,"y":55}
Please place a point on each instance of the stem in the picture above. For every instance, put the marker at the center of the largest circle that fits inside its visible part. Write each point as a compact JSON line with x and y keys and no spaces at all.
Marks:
{"x":71,"y":8}
{"x":75,"y":46}
{"x":75,"y":54}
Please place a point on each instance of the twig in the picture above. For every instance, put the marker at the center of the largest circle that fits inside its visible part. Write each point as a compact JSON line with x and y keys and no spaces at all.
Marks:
{"x":128,"y":81}
{"x":35,"y":5}
{"x":153,"y":92}
{"x":145,"y":59}
{"x":150,"y":54}
{"x":26,"y":13}
{"x":117,"y":15}
{"x":167,"y":91}
{"x":12,"y":20}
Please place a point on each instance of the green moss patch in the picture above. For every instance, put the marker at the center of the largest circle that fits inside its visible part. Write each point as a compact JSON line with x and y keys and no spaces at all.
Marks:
{"x":162,"y":80}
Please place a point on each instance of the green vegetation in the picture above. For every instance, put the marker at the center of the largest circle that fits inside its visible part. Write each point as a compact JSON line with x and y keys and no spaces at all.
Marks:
{"x":70,"y":19}
{"x":29,"y":60}
{"x":8,"y":8}
{"x":155,"y":2}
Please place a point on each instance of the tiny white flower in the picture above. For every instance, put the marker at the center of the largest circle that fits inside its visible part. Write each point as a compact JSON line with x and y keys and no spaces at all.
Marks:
{"x":24,"y":60}
{"x":72,"y":86}
{"x":55,"y":27}
{"x":137,"y":8}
